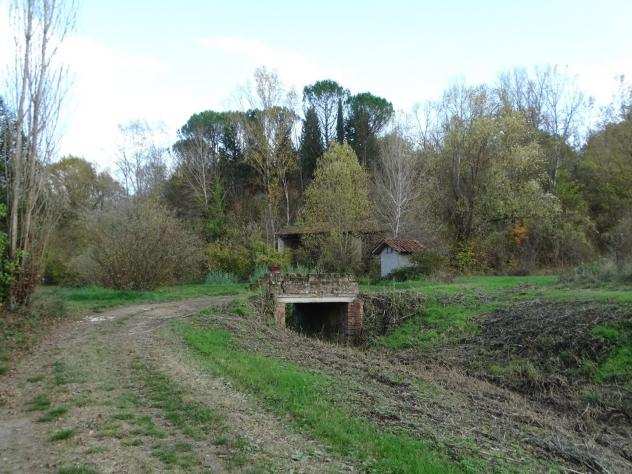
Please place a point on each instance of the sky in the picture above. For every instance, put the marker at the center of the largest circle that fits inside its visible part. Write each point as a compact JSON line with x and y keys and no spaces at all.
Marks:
{"x":162,"y":61}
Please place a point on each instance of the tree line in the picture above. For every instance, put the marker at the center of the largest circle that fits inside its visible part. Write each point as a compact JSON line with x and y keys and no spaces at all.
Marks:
{"x":508,"y":177}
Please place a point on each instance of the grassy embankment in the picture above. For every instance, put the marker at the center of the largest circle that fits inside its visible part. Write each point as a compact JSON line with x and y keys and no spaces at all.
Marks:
{"x":452,"y":312}
{"x":542,"y":330}
{"x":306,"y":396}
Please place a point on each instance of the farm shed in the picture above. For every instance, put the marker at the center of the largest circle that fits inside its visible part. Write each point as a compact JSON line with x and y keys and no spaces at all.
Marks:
{"x":395,"y":254}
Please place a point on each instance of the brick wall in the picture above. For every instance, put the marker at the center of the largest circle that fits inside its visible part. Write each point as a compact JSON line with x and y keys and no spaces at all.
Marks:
{"x":355,"y":316}
{"x":313,"y":285}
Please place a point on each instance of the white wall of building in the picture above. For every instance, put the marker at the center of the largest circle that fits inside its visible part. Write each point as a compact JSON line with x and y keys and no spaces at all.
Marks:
{"x":390,"y":260}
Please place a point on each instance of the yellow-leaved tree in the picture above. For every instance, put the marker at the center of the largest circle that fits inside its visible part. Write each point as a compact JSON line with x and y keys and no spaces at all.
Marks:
{"x":337,"y":207}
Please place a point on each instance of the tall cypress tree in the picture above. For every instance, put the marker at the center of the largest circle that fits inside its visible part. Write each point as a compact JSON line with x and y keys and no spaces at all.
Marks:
{"x":340,"y":124}
{"x":311,"y":147}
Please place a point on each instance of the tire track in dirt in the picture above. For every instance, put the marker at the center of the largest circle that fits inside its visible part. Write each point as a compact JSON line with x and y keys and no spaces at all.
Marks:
{"x":96,"y":356}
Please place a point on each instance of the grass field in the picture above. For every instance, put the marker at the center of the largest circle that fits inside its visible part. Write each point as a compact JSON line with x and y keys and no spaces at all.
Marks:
{"x":451,"y":306}
{"x":95,"y":298}
{"x":305,"y":397}
{"x":422,"y":397}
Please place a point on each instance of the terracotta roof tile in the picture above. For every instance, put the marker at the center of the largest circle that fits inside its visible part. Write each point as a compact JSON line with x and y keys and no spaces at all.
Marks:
{"x":405,"y":246}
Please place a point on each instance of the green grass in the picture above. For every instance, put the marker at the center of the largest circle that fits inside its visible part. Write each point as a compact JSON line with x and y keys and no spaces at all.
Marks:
{"x":192,"y":418}
{"x":617,"y":366}
{"x":95,"y":298}
{"x":451,"y":307}
{"x":488,"y":283}
{"x":77,"y":470}
{"x":53,"y":414}
{"x":306,"y":397}
{"x":180,"y":455}
{"x":62,"y":434}
{"x":38,"y":403}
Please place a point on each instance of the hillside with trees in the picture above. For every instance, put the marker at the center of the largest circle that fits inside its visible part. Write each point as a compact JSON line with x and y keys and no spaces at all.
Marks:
{"x":503,"y":178}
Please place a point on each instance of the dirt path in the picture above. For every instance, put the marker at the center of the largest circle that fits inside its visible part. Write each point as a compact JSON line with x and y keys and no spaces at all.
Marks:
{"x":120,"y":397}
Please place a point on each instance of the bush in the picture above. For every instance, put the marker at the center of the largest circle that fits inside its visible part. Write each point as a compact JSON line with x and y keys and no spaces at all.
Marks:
{"x":384,"y":312}
{"x":140,"y":245}
{"x":60,"y":270}
{"x":244,"y":260}
{"x":601,"y":272}
{"x":424,"y":264}
{"x":228,"y":258}
{"x":621,"y":241}
{"x":218,"y":277}
{"x":428,"y":262}
{"x":336,"y":252}
{"x":258,"y":274}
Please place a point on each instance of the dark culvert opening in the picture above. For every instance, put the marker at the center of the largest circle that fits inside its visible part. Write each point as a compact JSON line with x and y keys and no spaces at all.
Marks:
{"x":317,"y":319}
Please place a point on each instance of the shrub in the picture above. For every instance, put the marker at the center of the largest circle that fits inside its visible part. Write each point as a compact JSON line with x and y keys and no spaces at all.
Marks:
{"x":140,"y":245}
{"x":384,"y":312}
{"x":598,"y":273}
{"x":228,"y":258}
{"x":258,"y":274}
{"x":621,"y":241}
{"x":266,"y":256}
{"x":218,"y":277}
{"x":244,"y":260}
{"x":338,"y":252}
{"x":424,"y":264}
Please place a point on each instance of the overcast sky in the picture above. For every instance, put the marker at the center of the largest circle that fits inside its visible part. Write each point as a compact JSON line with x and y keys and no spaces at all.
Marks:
{"x":163,"y":60}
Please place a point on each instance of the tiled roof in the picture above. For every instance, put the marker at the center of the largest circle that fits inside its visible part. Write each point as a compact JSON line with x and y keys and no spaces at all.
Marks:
{"x":361,"y":227}
{"x":405,"y":246}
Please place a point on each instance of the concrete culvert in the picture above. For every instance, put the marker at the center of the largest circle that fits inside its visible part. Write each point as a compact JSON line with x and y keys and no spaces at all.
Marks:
{"x":324,"y":319}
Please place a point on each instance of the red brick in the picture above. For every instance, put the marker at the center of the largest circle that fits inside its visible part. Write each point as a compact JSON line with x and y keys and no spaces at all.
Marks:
{"x":279,"y":314}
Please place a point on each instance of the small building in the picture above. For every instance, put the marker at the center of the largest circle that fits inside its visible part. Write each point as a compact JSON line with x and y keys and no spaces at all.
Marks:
{"x":395,"y":254}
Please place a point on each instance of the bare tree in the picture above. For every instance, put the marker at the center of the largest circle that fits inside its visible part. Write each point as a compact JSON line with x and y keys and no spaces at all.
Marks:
{"x":197,"y":159}
{"x":552,"y":102}
{"x":267,"y":133}
{"x":397,"y":179}
{"x":324,"y":96}
{"x":142,"y":162}
{"x":36,"y":90}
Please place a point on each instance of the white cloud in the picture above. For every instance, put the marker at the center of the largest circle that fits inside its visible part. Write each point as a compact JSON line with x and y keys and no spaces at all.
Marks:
{"x":107,"y":88}
{"x":599,"y":79}
{"x":294,"y":68}
{"x":6,"y":41}
{"x":111,"y":86}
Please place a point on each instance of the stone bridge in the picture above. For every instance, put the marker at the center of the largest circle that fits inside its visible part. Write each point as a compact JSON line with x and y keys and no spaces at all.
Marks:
{"x":329,"y":300}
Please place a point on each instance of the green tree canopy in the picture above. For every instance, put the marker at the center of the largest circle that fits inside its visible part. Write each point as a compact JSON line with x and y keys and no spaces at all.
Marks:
{"x":605,"y":173}
{"x":337,"y":200}
{"x":368,"y":115}
{"x":311,"y":145}
{"x":324,"y":96}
